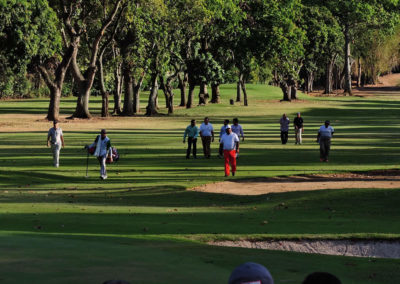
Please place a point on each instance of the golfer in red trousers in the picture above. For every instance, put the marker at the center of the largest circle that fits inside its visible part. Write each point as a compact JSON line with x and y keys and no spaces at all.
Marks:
{"x":230,"y":144}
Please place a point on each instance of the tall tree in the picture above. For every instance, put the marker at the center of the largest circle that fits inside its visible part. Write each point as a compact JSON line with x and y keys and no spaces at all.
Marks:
{"x":359,"y":14}
{"x":190,"y":21}
{"x":132,"y":46}
{"x":101,"y":16}
{"x":158,"y":32}
{"x":100,"y":62}
{"x":322,"y":43}
{"x":29,"y":37}
{"x":279,"y":39}
{"x":223,"y":32}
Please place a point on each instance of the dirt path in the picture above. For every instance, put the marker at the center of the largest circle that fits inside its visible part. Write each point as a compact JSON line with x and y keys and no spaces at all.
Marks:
{"x":372,"y":179}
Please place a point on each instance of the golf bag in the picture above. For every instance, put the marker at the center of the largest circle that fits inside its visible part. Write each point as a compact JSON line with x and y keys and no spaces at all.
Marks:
{"x":91,"y":150}
{"x":114,"y":154}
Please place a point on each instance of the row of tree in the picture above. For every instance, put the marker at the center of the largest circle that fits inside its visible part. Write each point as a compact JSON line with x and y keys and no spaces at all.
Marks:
{"x":115,"y":47}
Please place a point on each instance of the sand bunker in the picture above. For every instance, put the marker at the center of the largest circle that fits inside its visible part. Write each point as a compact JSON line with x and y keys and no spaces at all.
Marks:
{"x":372,"y":179}
{"x":376,"y":249}
{"x":362,"y":248}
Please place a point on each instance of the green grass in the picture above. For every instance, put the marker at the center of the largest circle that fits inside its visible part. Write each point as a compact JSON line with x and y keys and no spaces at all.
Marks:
{"x":142,"y":224}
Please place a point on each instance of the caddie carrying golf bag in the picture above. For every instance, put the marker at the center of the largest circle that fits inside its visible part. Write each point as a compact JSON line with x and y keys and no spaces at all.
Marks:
{"x":114,"y":154}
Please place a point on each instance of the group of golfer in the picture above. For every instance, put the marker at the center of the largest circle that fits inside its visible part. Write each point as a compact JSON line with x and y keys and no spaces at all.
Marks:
{"x":228,"y":141}
{"x":325,"y":134}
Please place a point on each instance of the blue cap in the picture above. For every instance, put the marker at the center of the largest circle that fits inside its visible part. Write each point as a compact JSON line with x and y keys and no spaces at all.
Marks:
{"x":250,"y":273}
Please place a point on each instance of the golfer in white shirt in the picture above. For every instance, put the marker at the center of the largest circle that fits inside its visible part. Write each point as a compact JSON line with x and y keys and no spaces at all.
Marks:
{"x":325,"y":134}
{"x":230,"y":144}
{"x":55,"y":138}
{"x":207,"y":136}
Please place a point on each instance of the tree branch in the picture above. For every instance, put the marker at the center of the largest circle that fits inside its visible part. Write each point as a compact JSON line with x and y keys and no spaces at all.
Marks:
{"x":46,"y":76}
{"x":114,"y":32}
{"x":76,"y":72}
{"x":100,"y":34}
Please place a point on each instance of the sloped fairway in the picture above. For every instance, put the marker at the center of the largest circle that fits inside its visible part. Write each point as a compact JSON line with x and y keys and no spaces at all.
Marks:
{"x":142,"y":225}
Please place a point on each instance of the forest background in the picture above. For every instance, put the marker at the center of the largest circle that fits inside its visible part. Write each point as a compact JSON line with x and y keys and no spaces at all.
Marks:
{"x":55,"y":48}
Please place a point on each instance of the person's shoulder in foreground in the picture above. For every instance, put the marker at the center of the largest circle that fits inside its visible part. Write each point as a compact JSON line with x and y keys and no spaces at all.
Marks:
{"x":250,"y":272}
{"x":321,"y":278}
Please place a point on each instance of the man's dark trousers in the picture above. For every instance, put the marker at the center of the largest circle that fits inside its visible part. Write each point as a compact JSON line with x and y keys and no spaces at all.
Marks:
{"x":284,"y":136}
{"x":191,"y":141}
{"x":324,"y":147}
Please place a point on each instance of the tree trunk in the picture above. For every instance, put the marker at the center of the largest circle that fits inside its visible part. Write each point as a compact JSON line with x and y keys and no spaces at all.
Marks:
{"x":168,"y":93}
{"x":54,"y":106}
{"x":55,"y":85}
{"x":189,"y":103}
{"x":286,"y":91}
{"x":243,"y":84}
{"x":310,"y":81}
{"x":104,"y":105}
{"x":216,"y":97}
{"x":170,"y":102}
{"x":203,"y":94}
{"x":128,"y":96}
{"x":165,"y":91}
{"x":238,"y":88}
{"x":182,"y":87}
{"x":151,"y":108}
{"x":328,"y":78}
{"x":104,"y":93}
{"x":276,"y":80}
{"x":359,"y":72}
{"x":340,"y":77}
{"x":136,"y":95}
{"x":117,"y":92}
{"x":374,"y":76}
{"x":84,"y":85}
{"x":117,"y":85}
{"x":169,"y":97}
{"x":82,"y":104}
{"x":347,"y":64}
{"x":157,"y":106}
{"x":293,"y":92}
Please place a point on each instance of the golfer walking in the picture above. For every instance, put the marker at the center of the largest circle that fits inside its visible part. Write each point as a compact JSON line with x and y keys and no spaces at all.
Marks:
{"x":221,"y":133}
{"x":230,"y":144}
{"x":298,"y":128}
{"x":284,"y":122}
{"x":207,"y":136}
{"x":103,"y":146}
{"x":192,"y":132}
{"x":55,"y":138}
{"x":237,"y":128}
{"x":325,"y":134}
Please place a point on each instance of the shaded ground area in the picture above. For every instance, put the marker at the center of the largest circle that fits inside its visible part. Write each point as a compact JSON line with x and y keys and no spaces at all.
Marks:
{"x":376,"y":249}
{"x":372,"y":179}
{"x":387,"y":86}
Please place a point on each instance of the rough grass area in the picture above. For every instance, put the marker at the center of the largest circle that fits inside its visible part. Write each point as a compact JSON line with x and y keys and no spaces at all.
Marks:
{"x":142,"y":225}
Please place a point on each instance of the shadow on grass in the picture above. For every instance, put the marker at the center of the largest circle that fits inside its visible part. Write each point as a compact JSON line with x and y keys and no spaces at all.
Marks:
{"x":181,"y":212}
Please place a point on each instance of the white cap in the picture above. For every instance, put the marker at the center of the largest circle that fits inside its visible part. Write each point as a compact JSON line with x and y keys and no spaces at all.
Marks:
{"x":227,"y":126}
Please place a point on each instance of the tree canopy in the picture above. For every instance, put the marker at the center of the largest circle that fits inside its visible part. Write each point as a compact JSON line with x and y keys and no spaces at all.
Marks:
{"x":124,"y":47}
